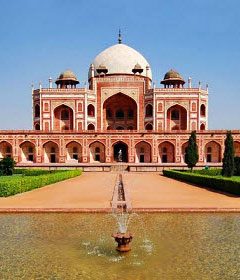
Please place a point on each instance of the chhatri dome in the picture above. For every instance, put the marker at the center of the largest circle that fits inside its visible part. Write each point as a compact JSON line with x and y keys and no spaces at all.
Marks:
{"x":120,"y":59}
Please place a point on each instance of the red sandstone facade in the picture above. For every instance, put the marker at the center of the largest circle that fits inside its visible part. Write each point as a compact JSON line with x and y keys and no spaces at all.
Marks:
{"x":120,"y":110}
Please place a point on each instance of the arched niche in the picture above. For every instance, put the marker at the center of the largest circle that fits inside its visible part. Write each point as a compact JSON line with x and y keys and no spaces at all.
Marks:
{"x":28,"y":152}
{"x":166,"y":152}
{"x":74,"y":152}
{"x":120,"y":148}
{"x":120,"y":110}
{"x":143,"y":152}
{"x":51,"y":152}
{"x":97,"y":152}
{"x":63,"y":118}
{"x":176,"y":118}
{"x":5,"y":149}
{"x":213,"y":152}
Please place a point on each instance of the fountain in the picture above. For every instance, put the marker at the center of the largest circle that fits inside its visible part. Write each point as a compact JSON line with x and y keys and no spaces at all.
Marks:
{"x":120,"y":206}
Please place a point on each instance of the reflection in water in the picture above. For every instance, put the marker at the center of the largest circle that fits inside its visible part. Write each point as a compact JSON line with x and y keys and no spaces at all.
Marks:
{"x":79,"y":246}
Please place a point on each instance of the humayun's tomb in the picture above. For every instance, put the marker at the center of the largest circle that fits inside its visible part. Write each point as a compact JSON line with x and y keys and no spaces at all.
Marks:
{"x":119,"y":109}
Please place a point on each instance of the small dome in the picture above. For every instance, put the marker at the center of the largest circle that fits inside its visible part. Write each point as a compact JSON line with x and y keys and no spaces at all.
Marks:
{"x":172,"y":74}
{"x":172,"y":77}
{"x":67,"y":76}
{"x":120,"y":59}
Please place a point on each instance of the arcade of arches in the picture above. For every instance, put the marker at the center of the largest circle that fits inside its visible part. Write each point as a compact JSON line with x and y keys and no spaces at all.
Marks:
{"x":97,"y":152}
{"x":120,"y":113}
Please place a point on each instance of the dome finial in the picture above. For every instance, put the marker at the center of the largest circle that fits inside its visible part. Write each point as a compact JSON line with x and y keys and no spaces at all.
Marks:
{"x":119,"y":37}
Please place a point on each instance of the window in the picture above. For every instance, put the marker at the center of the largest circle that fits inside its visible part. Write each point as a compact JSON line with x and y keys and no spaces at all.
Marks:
{"x":142,"y":150}
{"x":53,"y":150}
{"x":119,"y":115}
{"x":64,"y":114}
{"x":149,"y":111}
{"x":130,"y":114}
{"x":209,"y":150}
{"x":37,"y":126}
{"x":8,"y":150}
{"x":203,"y":110}
{"x":149,"y":126}
{"x":37,"y":111}
{"x":91,"y":110}
{"x":75,"y":149}
{"x":109,"y":114}
{"x":164,"y":150}
{"x":175,"y":115}
{"x":30,"y":150}
{"x":97,"y":150}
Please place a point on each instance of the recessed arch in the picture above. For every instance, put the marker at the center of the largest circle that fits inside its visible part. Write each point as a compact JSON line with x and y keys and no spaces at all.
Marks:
{"x":37,"y":110}
{"x":91,"y":110}
{"x":212,"y":152}
{"x":28,"y":151}
{"x":5,"y":149}
{"x":166,"y":152}
{"x":184,"y":147}
{"x":51,"y":152}
{"x":149,"y":126}
{"x":120,"y":151}
{"x":143,"y":152}
{"x":203,"y":110}
{"x":149,"y":111}
{"x":176,"y":118}
{"x":119,"y":110}
{"x":63,"y":118}
{"x":97,"y":151}
{"x":91,"y":126}
{"x":237,"y":148}
{"x":74,"y":151}
{"x":202,"y":126}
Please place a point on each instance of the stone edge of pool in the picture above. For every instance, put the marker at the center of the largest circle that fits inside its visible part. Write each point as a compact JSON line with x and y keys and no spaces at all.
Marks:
{"x":107,"y":210}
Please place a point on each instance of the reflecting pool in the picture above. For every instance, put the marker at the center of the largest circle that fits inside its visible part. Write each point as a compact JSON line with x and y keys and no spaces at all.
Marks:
{"x":80,"y":246}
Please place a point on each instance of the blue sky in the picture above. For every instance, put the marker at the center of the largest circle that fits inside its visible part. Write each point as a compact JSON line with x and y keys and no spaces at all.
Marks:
{"x":39,"y":39}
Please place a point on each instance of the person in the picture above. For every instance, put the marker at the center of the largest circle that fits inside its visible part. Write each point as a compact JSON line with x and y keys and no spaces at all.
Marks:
{"x":120,"y":155}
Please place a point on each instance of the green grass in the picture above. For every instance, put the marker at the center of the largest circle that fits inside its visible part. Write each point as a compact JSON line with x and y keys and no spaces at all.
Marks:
{"x":10,"y":185}
{"x":230,"y":185}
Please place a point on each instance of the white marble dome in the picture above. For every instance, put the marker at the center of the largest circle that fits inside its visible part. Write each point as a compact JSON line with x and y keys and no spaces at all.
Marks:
{"x":120,"y":59}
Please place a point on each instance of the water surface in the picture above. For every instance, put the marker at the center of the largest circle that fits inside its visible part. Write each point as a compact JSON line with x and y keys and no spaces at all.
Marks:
{"x":79,"y":246}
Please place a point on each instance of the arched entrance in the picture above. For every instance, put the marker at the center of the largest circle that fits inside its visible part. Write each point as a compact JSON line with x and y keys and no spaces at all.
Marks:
{"x":237,"y":148}
{"x":51,"y":152}
{"x":120,"y":146}
{"x":166,"y":152}
{"x":184,"y":149}
{"x":74,"y":152}
{"x":143,"y":152}
{"x":97,"y":152}
{"x":5,"y":150}
{"x":28,"y":152}
{"x":213,"y":152}
{"x":63,"y":118}
{"x":177,"y":118}
{"x":120,"y":110}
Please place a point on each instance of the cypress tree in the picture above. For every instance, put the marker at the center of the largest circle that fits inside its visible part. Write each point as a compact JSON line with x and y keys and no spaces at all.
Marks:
{"x":192,"y":151}
{"x":228,"y":157}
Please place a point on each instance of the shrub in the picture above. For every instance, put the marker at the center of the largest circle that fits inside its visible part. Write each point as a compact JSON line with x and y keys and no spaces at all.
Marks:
{"x":228,"y":158}
{"x":27,"y":183}
{"x":237,"y":166}
{"x":215,"y":182}
{"x":209,"y":172}
{"x":192,"y":151}
{"x":7,"y":166}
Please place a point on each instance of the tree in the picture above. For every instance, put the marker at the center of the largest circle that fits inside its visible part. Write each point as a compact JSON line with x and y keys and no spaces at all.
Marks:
{"x":7,"y":166}
{"x":228,"y":157}
{"x":192,"y":151}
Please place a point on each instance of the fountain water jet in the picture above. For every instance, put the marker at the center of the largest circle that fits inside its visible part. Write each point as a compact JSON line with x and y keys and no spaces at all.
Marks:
{"x":120,"y":207}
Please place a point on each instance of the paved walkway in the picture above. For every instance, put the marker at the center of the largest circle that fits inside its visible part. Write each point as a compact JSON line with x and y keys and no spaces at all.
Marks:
{"x":151,"y":190}
{"x":90,"y":190}
{"x":146,"y":190}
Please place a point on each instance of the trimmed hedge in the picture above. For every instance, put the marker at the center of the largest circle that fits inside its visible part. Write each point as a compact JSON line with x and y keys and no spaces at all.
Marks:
{"x":21,"y":184}
{"x":225,"y":184}
{"x":209,"y":172}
